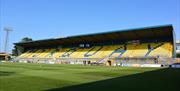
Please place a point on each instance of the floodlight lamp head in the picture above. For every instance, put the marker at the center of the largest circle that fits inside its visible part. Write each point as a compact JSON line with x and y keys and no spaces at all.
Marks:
{"x":7,"y":29}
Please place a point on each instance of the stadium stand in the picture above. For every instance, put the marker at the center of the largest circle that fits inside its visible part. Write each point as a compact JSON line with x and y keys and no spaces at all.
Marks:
{"x":136,"y":50}
{"x":149,"y":42}
{"x":4,"y":57}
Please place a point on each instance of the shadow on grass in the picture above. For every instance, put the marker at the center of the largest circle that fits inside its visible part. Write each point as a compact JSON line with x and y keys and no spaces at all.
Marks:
{"x":6,"y":73}
{"x":158,"y":80}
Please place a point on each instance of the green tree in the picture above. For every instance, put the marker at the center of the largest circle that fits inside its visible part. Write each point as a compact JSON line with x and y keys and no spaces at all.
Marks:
{"x":14,"y":51}
{"x":26,"y":39}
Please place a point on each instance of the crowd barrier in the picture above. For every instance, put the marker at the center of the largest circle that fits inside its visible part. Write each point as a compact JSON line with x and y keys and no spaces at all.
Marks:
{"x":132,"y":62}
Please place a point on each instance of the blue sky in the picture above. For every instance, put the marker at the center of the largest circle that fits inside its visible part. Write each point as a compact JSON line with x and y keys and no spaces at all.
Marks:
{"x":42,"y":19}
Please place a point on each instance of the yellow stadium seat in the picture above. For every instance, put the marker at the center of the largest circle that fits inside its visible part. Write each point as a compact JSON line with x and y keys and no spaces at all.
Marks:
{"x":163,"y":49}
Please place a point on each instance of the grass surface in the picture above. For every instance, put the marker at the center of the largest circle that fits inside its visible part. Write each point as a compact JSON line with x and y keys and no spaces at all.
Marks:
{"x":35,"y":77}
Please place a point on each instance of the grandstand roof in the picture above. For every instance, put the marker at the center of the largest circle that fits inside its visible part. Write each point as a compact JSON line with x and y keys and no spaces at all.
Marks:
{"x":163,"y":31}
{"x":3,"y":54}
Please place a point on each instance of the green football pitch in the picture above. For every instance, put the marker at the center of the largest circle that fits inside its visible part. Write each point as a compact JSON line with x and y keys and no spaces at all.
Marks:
{"x":58,"y":77}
